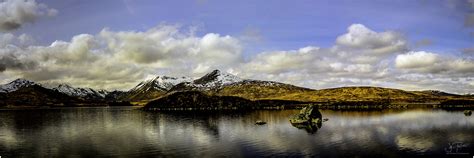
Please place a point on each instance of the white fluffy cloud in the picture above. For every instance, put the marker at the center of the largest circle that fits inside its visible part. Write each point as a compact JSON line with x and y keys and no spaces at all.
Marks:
{"x":8,"y":39}
{"x":416,"y":60}
{"x":427,"y":62}
{"x":284,"y":61}
{"x":371,"y":42}
{"x":15,"y":13}
{"x":121,"y":59}
{"x":357,"y":56}
{"x":363,"y":57}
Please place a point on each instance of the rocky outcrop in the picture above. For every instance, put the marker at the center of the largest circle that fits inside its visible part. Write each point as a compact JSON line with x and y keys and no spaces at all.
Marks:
{"x":309,"y":119}
{"x":308,"y":114}
{"x":467,"y":112}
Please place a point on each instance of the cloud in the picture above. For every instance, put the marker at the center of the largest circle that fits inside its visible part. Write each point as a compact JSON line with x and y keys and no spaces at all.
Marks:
{"x":167,"y":46}
{"x":416,"y":60}
{"x":16,"y":13}
{"x":8,"y":39}
{"x":361,"y":56}
{"x":119,"y":60}
{"x":361,"y":37}
{"x":353,"y":62}
{"x":427,"y":62}
{"x":283,"y":61}
{"x":12,"y":62}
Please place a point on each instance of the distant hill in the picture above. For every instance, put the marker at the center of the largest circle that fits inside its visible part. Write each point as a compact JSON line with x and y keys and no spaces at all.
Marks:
{"x":22,"y":92}
{"x":36,"y":95}
{"x":371,"y":94}
{"x":437,"y":93}
{"x":357,"y":94}
{"x":215,"y":85}
{"x":15,"y":85}
{"x":258,"y":90}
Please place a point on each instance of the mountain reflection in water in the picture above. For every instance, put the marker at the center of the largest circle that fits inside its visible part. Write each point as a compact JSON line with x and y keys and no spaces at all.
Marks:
{"x":127,"y":132}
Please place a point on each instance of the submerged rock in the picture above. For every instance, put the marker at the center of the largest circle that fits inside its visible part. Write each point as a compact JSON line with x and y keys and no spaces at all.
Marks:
{"x":309,"y":119}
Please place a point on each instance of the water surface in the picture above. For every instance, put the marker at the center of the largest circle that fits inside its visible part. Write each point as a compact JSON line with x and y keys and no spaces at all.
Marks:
{"x":133,"y":133}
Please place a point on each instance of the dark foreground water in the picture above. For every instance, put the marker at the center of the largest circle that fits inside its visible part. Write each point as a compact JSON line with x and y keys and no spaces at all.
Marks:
{"x":125,"y":132}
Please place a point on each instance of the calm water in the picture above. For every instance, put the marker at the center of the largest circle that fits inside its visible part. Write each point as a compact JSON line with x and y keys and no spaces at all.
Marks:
{"x":132,"y":133}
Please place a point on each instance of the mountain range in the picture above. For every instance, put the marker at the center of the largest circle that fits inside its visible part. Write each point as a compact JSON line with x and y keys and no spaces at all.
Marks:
{"x":22,"y":92}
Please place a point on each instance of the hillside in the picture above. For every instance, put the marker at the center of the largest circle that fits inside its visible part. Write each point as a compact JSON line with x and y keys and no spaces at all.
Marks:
{"x":35,"y":95}
{"x":257,"y":90}
{"x":363,"y":94}
{"x":15,"y":85}
{"x":25,"y":93}
{"x":372,"y":94}
{"x":215,"y":84}
{"x":197,"y":100}
{"x":85,"y":93}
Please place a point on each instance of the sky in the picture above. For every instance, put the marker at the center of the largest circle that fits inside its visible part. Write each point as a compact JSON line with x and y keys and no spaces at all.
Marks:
{"x":115,"y":44}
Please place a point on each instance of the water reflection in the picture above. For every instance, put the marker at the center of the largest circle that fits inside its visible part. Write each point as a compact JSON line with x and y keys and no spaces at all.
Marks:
{"x":133,"y":133}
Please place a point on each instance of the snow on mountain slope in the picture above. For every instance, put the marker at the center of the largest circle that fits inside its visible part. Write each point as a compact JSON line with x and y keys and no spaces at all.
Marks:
{"x":162,"y":83}
{"x":216,"y":79}
{"x":15,"y":85}
{"x":63,"y":88}
{"x":152,"y":88}
{"x":80,"y":92}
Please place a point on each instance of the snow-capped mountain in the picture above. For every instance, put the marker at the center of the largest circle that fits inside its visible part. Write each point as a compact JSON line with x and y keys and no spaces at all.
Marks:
{"x":80,"y":92}
{"x":216,"y":78}
{"x":213,"y":80}
{"x":15,"y":85}
{"x":163,"y":83}
{"x":62,"y":88}
{"x":153,"y":88}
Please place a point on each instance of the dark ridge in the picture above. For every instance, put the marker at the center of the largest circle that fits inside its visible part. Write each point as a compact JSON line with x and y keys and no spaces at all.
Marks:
{"x":458,"y":102}
{"x":208,"y":77}
{"x":183,"y":86}
{"x":439,"y":93}
{"x":36,"y":95}
{"x":114,"y":95}
{"x":196,"y":100}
